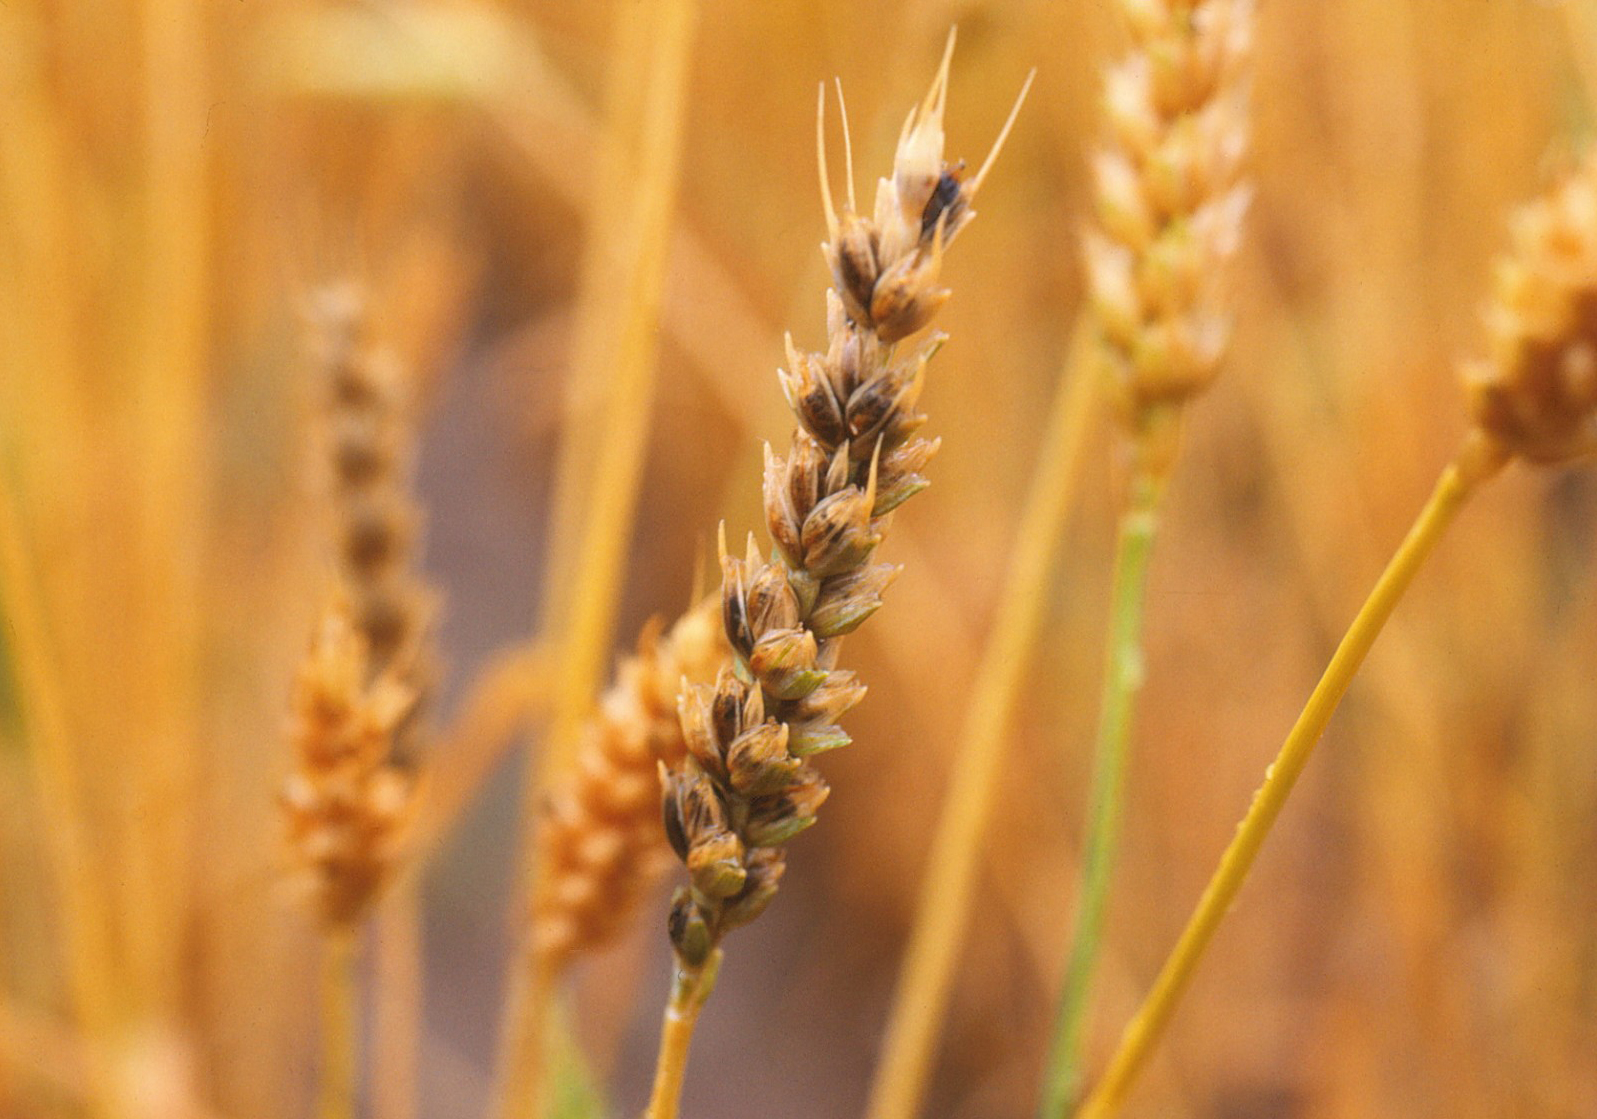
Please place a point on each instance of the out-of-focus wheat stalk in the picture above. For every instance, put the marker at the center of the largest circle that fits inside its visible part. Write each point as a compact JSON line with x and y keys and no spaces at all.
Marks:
{"x":59,"y":785}
{"x":351,"y":795}
{"x":610,"y":386}
{"x":398,"y":971}
{"x":602,"y":460}
{"x":1533,"y":397}
{"x":930,"y":961}
{"x":100,"y":590}
{"x":171,"y":366}
{"x":369,"y":411}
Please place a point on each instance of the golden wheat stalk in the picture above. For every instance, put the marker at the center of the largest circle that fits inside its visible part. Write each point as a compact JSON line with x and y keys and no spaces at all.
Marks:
{"x":747,"y":785}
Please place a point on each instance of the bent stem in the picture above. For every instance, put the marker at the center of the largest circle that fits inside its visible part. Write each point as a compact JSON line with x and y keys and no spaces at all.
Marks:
{"x":930,"y":961}
{"x":689,"y":990}
{"x":335,"y":1092}
{"x":1123,"y":675}
{"x":1457,"y":483}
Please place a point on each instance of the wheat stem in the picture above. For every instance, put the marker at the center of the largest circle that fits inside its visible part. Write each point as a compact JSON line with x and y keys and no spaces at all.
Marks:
{"x":921,"y":1000}
{"x":1457,"y":483}
{"x":1123,"y":676}
{"x":397,"y":969}
{"x":595,"y":385}
{"x":615,"y":471}
{"x":59,"y":779}
{"x":689,"y":990}
{"x":612,"y":467}
{"x":170,"y":490}
{"x":335,"y":1092}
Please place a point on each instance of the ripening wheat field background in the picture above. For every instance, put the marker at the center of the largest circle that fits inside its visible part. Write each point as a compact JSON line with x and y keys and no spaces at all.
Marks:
{"x":498,"y":182}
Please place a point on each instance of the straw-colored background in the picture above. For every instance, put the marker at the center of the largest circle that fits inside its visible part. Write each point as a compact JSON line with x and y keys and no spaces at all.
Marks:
{"x":1419,"y":938}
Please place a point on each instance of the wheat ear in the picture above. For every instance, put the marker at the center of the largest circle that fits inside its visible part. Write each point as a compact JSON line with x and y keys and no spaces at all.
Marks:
{"x":346,"y":806}
{"x":369,"y":442}
{"x":603,"y":846}
{"x":747,"y":785}
{"x":1534,"y":397}
{"x":1170,"y":206}
{"x":350,"y":799}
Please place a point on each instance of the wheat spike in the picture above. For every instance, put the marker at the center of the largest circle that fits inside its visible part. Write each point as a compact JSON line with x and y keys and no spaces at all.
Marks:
{"x":1535,"y":393}
{"x":747,"y":784}
{"x":603,"y":846}
{"x":1169,"y":198}
{"x":345,"y":803}
{"x":370,"y":444}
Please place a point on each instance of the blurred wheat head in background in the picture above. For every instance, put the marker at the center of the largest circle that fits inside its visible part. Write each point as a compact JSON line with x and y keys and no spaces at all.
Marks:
{"x":372,"y":373}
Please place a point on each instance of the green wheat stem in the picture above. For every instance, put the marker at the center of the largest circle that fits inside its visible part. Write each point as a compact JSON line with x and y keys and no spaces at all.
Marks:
{"x":1474,"y":466}
{"x":1123,"y":674}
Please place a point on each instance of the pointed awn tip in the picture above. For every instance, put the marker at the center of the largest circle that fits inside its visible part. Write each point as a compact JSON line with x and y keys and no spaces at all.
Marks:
{"x":937,"y":96}
{"x":848,"y":146}
{"x":1003,"y":133}
{"x":820,"y":161}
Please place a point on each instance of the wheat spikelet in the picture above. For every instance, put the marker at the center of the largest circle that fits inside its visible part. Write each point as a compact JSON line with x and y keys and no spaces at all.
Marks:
{"x":1535,"y":394}
{"x":602,"y":845}
{"x":1169,"y":201}
{"x":747,"y":785}
{"x":345,"y":803}
{"x":369,"y":435}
